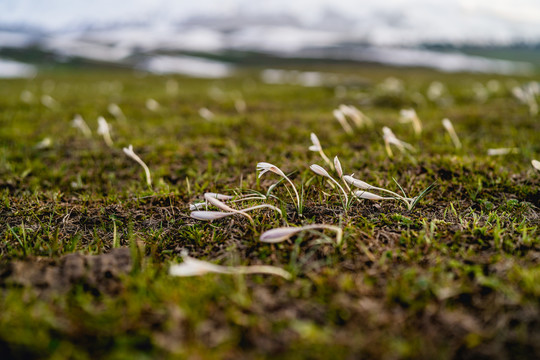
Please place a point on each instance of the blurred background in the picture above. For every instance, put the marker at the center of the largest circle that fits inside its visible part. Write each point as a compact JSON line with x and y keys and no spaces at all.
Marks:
{"x":212,"y":39}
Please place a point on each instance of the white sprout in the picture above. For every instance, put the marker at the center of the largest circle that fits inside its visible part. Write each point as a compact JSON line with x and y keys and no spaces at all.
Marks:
{"x":340,"y":117}
{"x":435,"y":90}
{"x":339,"y":171}
{"x":195,"y":267}
{"x":115,"y":111}
{"x":390,"y":138}
{"x":453,"y":135}
{"x":410,"y":202}
{"x":215,"y":199}
{"x":240,"y":105}
{"x":44,"y":144}
{"x":369,"y":196}
{"x":105,"y":131}
{"x":228,"y":198}
{"x":152,"y":105}
{"x":283,"y":233}
{"x":319,"y":170}
{"x":206,"y":114}
{"x":27,"y":97}
{"x":358,"y":118}
{"x":318,"y":148}
{"x":502,"y":151}
{"x":129,"y":152}
{"x":79,"y":123}
{"x":264,"y":167}
{"x":49,"y":102}
{"x":409,"y":116}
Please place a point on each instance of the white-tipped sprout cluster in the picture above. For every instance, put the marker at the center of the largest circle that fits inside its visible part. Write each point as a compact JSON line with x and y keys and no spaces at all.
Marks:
{"x":219,"y":201}
{"x":527,"y":94}
{"x":409,"y":116}
{"x":365,"y":192}
{"x":264,"y":167}
{"x":390,"y":139}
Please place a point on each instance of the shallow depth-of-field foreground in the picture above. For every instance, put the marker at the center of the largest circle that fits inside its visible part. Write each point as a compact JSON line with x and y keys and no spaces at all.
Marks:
{"x":90,"y":241}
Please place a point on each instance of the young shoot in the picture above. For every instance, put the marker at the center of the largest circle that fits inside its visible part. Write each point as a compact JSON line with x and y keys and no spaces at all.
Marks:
{"x":359,"y":119}
{"x":502,"y":151}
{"x":264,"y":167}
{"x":48,"y":101}
{"x":453,"y":135}
{"x":409,"y":202}
{"x":318,"y":148}
{"x":195,"y":267}
{"x":105,"y":131}
{"x":115,"y":111}
{"x":129,"y":152}
{"x":216,"y":200}
{"x":391,"y":139}
{"x":206,"y":114}
{"x":407,"y":116}
{"x":226,"y":198}
{"x":79,"y":123}
{"x":319,"y":170}
{"x":341,"y":118}
{"x":283,"y":233}
{"x":152,"y":105}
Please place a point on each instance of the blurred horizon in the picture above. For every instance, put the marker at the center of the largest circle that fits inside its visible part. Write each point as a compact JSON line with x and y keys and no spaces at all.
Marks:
{"x":426,"y":33}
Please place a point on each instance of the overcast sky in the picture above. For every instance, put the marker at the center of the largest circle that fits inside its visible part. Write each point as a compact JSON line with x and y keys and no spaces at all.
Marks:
{"x":452,"y":19}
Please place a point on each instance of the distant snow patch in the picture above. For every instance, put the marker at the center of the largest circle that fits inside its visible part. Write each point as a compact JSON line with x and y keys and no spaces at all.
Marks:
{"x":187,"y":65}
{"x":14,"y":69}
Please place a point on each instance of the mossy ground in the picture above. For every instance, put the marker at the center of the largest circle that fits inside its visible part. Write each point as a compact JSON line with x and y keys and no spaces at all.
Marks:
{"x":456,"y":277}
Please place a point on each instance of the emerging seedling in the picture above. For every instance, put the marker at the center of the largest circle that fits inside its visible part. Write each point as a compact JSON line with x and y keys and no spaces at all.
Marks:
{"x":195,"y":267}
{"x":226,"y":198}
{"x":79,"y":123}
{"x":152,"y":105}
{"x":105,"y":131}
{"x":359,"y":119}
{"x":502,"y":151}
{"x":216,"y":200}
{"x":453,"y":135}
{"x":206,"y":114}
{"x":318,"y":148}
{"x":129,"y":152}
{"x":319,"y":170}
{"x":410,"y":202}
{"x":264,"y":167}
{"x":44,"y":144}
{"x":391,"y":139}
{"x":409,"y":116}
{"x":115,"y":111}
{"x":341,"y":118}
{"x":49,"y":102}
{"x":283,"y":233}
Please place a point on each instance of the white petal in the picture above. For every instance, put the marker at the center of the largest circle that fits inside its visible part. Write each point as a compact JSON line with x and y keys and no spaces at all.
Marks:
{"x":279,"y":234}
{"x":209,"y":215}
{"x":337,"y":166}
{"x":358,"y":183}
{"x":319,"y":170}
{"x":502,"y":151}
{"x":315,"y":140}
{"x":536,"y":164}
{"x":367,"y":195}
{"x":219,"y":196}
